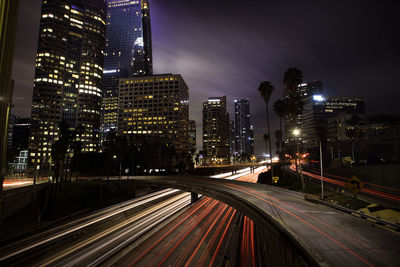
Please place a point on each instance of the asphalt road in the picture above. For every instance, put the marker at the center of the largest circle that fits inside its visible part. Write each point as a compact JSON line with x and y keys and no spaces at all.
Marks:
{"x":204,"y":235}
{"x":337,"y":238}
{"x":94,"y":239}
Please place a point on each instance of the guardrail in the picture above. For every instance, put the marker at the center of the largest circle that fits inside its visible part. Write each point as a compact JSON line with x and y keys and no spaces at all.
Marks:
{"x":378,"y":221}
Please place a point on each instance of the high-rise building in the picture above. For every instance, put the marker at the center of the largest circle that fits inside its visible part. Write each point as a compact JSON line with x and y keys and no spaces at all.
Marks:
{"x":232,"y":140}
{"x":216,"y":131}
{"x":155,"y":106}
{"x":318,"y":108}
{"x":20,"y":129}
{"x":128,"y":52}
{"x":244,"y":143}
{"x":68,"y":75}
{"x":192,"y":136}
{"x":8,"y":28}
{"x":304,"y":91}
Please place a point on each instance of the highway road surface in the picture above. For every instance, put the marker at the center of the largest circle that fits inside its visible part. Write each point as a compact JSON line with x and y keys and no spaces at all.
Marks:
{"x":210,"y":233}
{"x":336,"y":238}
{"x":94,"y":239}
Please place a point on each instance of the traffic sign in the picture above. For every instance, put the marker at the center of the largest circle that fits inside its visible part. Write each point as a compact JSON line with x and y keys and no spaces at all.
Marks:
{"x":275,"y":179}
{"x":354,"y":185}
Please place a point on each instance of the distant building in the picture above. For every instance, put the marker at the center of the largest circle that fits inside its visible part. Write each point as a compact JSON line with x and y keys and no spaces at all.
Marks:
{"x":155,"y":106}
{"x":308,"y":89}
{"x":232,"y":141}
{"x":192,"y":136}
{"x":244,"y":140}
{"x":128,"y":52}
{"x":305,"y":91}
{"x":10,"y":130}
{"x":216,"y":131}
{"x":20,"y":133}
{"x":20,"y":164}
{"x":68,"y":75}
{"x":337,"y":127}
{"x":317,"y":108}
{"x":384,"y":141}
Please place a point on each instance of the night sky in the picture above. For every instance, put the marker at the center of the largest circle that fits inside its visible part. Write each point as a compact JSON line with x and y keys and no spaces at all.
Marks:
{"x":227,"y":47}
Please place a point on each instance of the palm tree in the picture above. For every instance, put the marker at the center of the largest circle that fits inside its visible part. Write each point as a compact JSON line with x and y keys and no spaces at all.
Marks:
{"x":279,"y":108}
{"x":266,"y":139}
{"x":266,"y":89}
{"x":292,"y":78}
{"x":278,"y":136}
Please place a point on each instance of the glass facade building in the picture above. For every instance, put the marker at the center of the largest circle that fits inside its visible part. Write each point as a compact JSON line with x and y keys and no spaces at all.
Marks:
{"x":128,"y":52}
{"x":244,"y":140}
{"x":68,"y":75}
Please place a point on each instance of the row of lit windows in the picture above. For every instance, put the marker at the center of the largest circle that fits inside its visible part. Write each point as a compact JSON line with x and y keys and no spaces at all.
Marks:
{"x":150,"y":80}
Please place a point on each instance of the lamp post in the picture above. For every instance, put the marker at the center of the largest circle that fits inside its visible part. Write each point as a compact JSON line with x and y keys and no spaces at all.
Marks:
{"x":296,"y":132}
{"x":322,"y":170}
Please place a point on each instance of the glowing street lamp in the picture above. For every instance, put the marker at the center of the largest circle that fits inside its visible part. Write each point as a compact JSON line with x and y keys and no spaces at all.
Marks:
{"x":296,"y":132}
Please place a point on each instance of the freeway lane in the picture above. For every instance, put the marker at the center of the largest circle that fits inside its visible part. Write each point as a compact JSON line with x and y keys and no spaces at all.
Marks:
{"x":94,"y":238}
{"x":73,"y":231}
{"x":339,"y":239}
{"x":203,"y":235}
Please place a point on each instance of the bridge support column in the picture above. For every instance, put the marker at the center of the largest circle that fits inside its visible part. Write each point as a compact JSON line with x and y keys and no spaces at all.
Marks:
{"x":194,"y":197}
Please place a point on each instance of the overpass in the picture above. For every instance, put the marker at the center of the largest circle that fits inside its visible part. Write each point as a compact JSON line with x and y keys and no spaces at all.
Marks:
{"x":296,"y":232}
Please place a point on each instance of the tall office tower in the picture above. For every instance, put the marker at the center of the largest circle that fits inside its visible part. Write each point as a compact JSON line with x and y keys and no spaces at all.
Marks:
{"x":216,"y":131}
{"x":8,"y":28}
{"x":192,"y":136}
{"x":68,"y":75}
{"x":128,"y":52}
{"x":156,"y":107}
{"x":304,"y":92}
{"x":243,"y":130}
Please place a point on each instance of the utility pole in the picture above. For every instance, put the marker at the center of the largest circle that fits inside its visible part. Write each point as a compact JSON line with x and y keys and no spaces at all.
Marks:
{"x":322,"y":170}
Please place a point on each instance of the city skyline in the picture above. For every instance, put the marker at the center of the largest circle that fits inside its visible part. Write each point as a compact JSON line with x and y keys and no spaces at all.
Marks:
{"x":322,"y":51}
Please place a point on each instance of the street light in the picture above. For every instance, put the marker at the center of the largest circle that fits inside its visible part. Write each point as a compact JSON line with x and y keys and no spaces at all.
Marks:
{"x":322,"y":170}
{"x":296,"y":132}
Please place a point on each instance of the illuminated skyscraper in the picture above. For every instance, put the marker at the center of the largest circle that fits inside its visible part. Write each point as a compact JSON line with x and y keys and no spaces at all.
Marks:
{"x":68,"y":75}
{"x":155,"y":107}
{"x":216,"y":143}
{"x":244,"y":143}
{"x":128,"y":51}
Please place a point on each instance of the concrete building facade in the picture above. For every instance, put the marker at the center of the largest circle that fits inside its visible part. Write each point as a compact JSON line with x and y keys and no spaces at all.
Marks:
{"x":155,"y":106}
